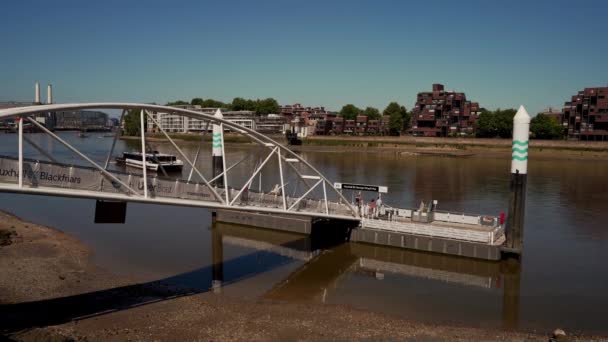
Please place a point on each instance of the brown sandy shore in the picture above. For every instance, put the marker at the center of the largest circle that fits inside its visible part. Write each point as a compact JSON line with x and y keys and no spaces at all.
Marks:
{"x":411,"y":146}
{"x":50,"y":290}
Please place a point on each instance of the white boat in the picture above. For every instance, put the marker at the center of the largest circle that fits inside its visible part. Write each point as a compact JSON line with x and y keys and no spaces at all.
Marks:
{"x":154,"y":161}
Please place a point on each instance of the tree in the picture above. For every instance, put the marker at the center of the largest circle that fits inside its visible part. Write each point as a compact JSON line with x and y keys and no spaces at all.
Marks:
{"x":197,"y":101}
{"x":486,"y":126}
{"x":394,"y":108}
{"x":239,"y":103}
{"x":132,"y":122}
{"x":498,"y":123}
{"x":504,"y":122}
{"x":267,"y":106}
{"x":395,"y":123}
{"x":211,"y":103}
{"x":350,"y":112}
{"x":372,"y":113}
{"x":177,"y":103}
{"x":545,"y":127}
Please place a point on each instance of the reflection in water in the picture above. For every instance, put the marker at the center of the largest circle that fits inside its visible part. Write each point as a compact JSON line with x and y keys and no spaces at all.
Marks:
{"x":217,"y":251}
{"x":318,"y":280}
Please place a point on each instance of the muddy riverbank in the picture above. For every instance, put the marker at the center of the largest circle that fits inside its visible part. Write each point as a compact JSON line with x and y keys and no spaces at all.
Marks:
{"x":413,"y":146}
{"x":51,"y":290}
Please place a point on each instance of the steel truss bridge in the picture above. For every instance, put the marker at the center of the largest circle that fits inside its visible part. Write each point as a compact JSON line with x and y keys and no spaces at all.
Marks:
{"x":294,"y":187}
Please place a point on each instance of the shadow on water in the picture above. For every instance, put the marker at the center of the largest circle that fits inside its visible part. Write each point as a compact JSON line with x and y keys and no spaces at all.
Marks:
{"x":21,"y":316}
{"x":327,"y":259}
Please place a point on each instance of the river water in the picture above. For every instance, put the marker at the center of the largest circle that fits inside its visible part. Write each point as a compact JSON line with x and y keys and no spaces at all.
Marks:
{"x":561,"y":281}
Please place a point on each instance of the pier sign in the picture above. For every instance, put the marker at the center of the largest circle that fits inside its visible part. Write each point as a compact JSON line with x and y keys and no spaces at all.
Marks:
{"x":361,"y":187}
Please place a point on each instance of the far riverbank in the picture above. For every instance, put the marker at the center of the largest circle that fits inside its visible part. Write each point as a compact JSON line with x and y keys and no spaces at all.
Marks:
{"x":409,"y":146}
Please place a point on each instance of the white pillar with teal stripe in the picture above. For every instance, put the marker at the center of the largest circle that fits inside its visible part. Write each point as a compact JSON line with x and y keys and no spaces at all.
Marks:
{"x":514,"y":229}
{"x":521,"y":135}
{"x":217,"y":148}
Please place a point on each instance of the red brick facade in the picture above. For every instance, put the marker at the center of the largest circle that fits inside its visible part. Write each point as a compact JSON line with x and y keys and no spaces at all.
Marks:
{"x":586,"y":114}
{"x":440,"y":113}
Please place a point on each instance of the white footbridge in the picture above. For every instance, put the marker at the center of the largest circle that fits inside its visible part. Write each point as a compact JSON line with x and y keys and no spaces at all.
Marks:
{"x":295,"y":188}
{"x":93,"y":178}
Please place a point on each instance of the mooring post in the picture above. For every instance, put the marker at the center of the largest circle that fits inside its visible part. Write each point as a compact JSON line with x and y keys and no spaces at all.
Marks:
{"x":511,"y":270}
{"x":519,"y":172}
{"x":217,"y":150}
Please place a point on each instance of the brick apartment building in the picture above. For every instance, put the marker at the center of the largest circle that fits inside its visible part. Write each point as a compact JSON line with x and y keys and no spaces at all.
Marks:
{"x":585,"y":116}
{"x":440,"y":113}
{"x":307,"y":120}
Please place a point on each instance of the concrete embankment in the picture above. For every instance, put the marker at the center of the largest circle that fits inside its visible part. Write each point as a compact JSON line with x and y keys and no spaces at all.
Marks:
{"x":50,"y":290}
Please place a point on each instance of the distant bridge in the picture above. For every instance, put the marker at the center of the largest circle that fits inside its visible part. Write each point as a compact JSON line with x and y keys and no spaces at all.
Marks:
{"x":305,"y":194}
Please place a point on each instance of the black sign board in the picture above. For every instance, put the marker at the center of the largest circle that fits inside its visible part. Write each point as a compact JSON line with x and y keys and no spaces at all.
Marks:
{"x":361,"y":187}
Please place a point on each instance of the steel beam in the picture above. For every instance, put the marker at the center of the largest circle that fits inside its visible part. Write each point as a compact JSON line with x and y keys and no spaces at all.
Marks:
{"x":198,"y":151}
{"x":179,"y":150}
{"x":39,"y":149}
{"x":253,"y":175}
{"x":20,"y":152}
{"x":71,"y":148}
{"x":143,"y":152}
{"x":306,"y":193}
{"x":282,"y":181}
{"x":122,"y":115}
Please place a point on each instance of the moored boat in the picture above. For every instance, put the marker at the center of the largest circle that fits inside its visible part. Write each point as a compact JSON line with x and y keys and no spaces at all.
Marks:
{"x":154,"y":161}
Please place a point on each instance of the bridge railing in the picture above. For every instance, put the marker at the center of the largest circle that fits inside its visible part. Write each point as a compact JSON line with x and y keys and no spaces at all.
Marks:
{"x":39,"y":173}
{"x":274,"y":200}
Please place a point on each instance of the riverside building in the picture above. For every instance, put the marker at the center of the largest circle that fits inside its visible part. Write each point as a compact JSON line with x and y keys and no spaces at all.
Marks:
{"x":585,"y":116}
{"x":80,"y":119}
{"x":174,"y":123}
{"x":440,"y":113}
{"x":307,"y":121}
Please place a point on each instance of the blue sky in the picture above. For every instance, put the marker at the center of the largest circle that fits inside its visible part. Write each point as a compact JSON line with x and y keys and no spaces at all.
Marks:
{"x":501,"y":53}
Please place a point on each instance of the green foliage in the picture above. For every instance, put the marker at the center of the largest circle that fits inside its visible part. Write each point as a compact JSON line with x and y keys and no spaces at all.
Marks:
{"x":350,"y":112}
{"x":267,"y":106}
{"x":261,"y":107}
{"x":372,"y":113}
{"x":498,"y":123}
{"x":239,"y":103}
{"x":197,"y":101}
{"x":211,"y":103}
{"x":545,"y":127}
{"x":393,"y":110}
{"x":395,"y":123}
{"x":177,"y":103}
{"x":132,"y":122}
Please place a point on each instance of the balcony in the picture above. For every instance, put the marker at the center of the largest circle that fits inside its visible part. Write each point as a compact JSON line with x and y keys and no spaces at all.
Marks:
{"x":426,"y":117}
{"x":601,"y":118}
